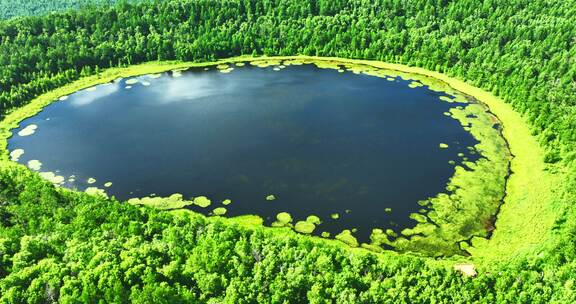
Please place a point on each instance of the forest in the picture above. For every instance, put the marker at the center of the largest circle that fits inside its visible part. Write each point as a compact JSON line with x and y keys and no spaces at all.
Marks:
{"x":58,"y":245}
{"x":16,"y":8}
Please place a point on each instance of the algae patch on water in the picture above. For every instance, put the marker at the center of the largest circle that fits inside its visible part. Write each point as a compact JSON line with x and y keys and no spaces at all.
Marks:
{"x":446,"y":99}
{"x":308,"y":225}
{"x":313,"y":219}
{"x":283,"y":219}
{"x":219,"y":211}
{"x":347,"y":237}
{"x":304,"y":227}
{"x":415,"y":84}
{"x":16,"y":154}
{"x":52,"y":177}
{"x":96,"y":191}
{"x":224,"y":68}
{"x":34,"y":164}
{"x":263,"y":63}
{"x":202,"y":201}
{"x":28,"y":130}
{"x":132,"y":81}
{"x":174,"y":201}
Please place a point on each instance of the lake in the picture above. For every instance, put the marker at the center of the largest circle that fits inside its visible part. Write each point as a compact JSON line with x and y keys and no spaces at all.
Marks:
{"x":322,"y":142}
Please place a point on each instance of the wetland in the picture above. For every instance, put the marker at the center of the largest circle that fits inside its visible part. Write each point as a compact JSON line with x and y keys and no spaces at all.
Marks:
{"x":335,"y":150}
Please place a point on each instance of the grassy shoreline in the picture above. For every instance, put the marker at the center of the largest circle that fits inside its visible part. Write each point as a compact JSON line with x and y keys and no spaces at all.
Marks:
{"x":521,"y":224}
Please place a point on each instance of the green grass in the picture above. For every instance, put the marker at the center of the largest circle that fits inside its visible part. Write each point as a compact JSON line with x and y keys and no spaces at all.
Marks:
{"x":530,"y":207}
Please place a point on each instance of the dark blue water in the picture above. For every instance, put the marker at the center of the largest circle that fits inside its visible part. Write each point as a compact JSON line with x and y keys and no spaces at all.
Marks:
{"x":322,"y":142}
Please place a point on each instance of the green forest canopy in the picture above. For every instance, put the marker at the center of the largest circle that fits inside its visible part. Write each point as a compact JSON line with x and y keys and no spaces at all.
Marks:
{"x":66,"y":246}
{"x":15,"y":8}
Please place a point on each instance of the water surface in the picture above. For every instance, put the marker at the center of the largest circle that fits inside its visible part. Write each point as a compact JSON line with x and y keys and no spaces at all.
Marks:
{"x":322,"y":142}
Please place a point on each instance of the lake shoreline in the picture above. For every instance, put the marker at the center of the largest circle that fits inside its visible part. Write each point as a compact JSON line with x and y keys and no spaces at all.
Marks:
{"x":524,"y":148}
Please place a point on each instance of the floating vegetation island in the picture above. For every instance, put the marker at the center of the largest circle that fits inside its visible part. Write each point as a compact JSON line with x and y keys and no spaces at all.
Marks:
{"x":28,"y":130}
